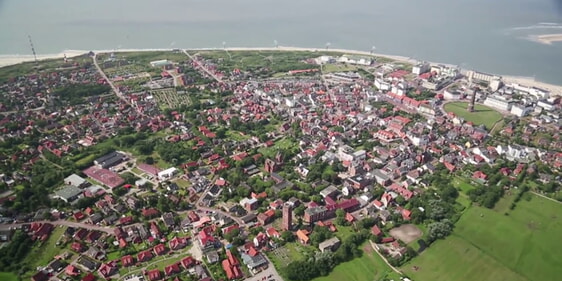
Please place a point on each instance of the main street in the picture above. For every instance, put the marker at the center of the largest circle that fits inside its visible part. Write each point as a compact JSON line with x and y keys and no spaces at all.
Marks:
{"x":106,"y":229}
{"x":113,"y":87}
{"x":202,"y":67}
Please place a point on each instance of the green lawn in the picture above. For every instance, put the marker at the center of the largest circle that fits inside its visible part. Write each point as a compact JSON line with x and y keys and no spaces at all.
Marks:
{"x":344,"y":232}
{"x":284,"y":143}
{"x":42,"y":254}
{"x":113,"y":256}
{"x":490,"y":245}
{"x":368,"y":267}
{"x":481,"y":115}
{"x":235,"y":135}
{"x":337,"y":67}
{"x":8,"y":276}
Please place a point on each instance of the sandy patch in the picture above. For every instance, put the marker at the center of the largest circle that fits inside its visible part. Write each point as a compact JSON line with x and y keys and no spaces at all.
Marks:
{"x":406,"y":233}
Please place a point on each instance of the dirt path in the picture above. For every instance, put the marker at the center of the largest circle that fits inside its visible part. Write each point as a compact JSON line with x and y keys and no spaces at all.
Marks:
{"x":546,"y":197}
{"x":384,"y":259}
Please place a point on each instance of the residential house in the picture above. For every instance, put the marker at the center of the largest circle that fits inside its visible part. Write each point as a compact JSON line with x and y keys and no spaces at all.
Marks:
{"x":302,"y":236}
{"x":329,"y":245}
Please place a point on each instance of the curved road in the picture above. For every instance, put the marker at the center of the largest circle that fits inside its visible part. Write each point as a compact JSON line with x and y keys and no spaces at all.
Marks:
{"x":105,"y":229}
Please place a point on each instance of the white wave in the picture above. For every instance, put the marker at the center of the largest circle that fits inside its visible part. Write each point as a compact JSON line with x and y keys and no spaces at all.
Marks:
{"x":539,"y":26}
{"x":548,"y":23}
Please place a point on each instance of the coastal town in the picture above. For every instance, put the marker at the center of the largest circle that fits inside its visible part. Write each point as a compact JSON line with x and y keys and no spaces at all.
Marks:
{"x":248,"y":165}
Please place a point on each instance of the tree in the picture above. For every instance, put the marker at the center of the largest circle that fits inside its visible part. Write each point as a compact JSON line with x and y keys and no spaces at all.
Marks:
{"x":301,"y":270}
{"x":287,"y":236}
{"x":120,"y":191}
{"x":149,"y":160}
{"x":439,"y":230}
{"x":233,"y":233}
{"x":340,"y":217}
{"x":299,"y":211}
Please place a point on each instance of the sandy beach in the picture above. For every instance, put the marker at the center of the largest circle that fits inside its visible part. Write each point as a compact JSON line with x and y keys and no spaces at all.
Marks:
{"x":547,"y":39}
{"x":6,"y":60}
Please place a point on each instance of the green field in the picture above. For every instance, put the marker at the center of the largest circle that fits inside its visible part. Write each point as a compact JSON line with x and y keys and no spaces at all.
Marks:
{"x":481,"y":115}
{"x":490,"y":245}
{"x":8,"y":276}
{"x":368,"y":267}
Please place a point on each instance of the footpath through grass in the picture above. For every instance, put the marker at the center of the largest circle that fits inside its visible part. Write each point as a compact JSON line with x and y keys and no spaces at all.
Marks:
{"x":490,"y":245}
{"x":481,"y":115}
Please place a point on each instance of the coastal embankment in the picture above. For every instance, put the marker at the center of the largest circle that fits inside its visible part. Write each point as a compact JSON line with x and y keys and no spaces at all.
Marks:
{"x":6,"y":60}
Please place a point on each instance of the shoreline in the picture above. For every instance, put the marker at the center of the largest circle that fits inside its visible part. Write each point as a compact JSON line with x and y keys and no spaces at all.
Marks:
{"x":7,"y":60}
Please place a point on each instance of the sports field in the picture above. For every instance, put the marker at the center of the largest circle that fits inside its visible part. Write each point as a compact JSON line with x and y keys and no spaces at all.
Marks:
{"x":481,"y":115}
{"x":489,"y":245}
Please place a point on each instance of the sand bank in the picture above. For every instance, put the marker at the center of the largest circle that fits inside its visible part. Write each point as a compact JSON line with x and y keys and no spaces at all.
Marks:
{"x":547,"y":39}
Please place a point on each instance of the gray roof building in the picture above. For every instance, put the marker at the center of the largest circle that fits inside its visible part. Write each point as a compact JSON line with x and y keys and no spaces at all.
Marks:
{"x":68,"y":194}
{"x":76,"y":180}
{"x":331,"y":244}
{"x":253,"y":262}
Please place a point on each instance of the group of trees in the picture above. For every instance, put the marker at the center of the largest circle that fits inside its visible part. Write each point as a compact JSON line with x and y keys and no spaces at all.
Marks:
{"x":75,"y":93}
{"x":322,"y":263}
{"x":486,"y":196}
{"x":13,"y":254}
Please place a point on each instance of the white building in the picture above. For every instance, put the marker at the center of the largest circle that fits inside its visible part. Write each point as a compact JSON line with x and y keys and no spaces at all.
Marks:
{"x":382,"y":85}
{"x":451,"y":95}
{"x":520,"y":110}
{"x":418,"y":140}
{"x":167,"y":174}
{"x":360,"y":60}
{"x":480,"y":76}
{"x":421,"y":68}
{"x":495,"y":84}
{"x":325,"y":59}
{"x":359,"y":156}
{"x":545,"y":105}
{"x":498,"y":102}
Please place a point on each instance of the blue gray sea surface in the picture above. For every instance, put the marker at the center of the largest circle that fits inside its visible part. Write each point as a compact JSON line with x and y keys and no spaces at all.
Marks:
{"x":494,"y":36}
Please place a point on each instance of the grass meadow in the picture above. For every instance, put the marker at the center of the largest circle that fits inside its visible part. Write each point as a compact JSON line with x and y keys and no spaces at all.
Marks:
{"x":519,"y":244}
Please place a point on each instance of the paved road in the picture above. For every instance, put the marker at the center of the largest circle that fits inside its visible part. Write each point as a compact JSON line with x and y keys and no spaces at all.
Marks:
{"x":105,"y":229}
{"x":202,"y":67}
{"x":115,"y":89}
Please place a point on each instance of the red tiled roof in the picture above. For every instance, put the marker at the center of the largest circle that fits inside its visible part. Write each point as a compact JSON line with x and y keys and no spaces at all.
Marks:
{"x":376,"y":230}
{"x":127,"y":260}
{"x":154,"y":274}
{"x":171,"y":269}
{"x":188,"y":262}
